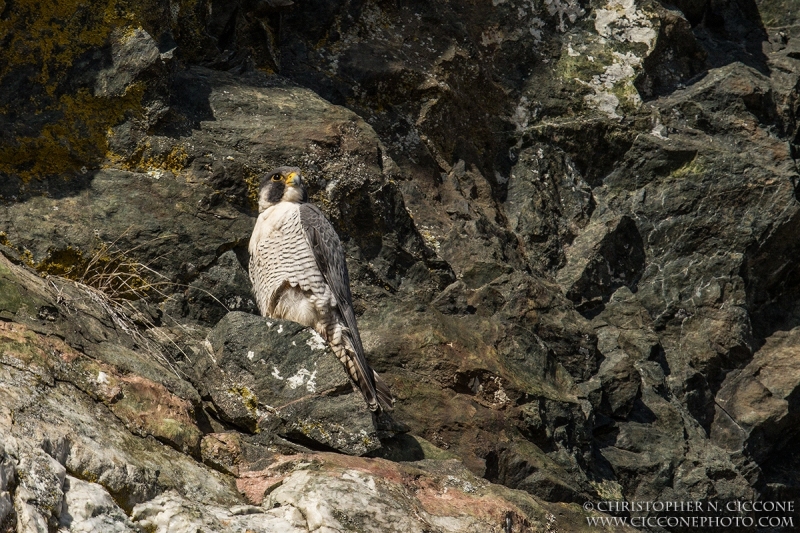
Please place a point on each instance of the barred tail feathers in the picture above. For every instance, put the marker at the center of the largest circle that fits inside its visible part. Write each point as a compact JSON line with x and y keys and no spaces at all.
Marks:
{"x":385,"y":398}
{"x":374,"y":390}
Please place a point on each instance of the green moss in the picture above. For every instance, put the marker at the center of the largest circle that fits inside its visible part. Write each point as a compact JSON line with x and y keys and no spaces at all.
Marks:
{"x":51,"y":33}
{"x":13,"y":297}
{"x":586,"y":71}
{"x":77,"y":138}
{"x":47,"y":37}
{"x":583,"y":66}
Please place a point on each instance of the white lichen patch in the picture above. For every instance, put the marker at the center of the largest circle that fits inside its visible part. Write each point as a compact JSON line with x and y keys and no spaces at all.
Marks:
{"x":567,"y":11}
{"x":303,"y":376}
{"x":460,"y":484}
{"x":316,"y":342}
{"x":102,"y":378}
{"x":604,"y":102}
{"x":535,"y":29}
{"x":616,"y":79}
{"x":311,"y":384}
{"x":429,"y":237}
{"x":251,"y":354}
{"x":276,"y":373}
{"x":500,"y":397}
{"x":659,"y":131}
{"x":622,"y":21}
{"x":234,"y":302}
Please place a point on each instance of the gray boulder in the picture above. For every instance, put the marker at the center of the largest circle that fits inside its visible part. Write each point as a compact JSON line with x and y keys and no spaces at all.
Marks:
{"x":275,"y":376}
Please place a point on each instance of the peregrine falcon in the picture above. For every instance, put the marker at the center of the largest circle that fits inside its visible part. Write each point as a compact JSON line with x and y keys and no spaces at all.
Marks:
{"x":299,"y":273}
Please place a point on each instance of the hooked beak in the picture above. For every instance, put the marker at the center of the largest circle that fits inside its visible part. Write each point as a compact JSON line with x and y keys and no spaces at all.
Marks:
{"x":294,"y":180}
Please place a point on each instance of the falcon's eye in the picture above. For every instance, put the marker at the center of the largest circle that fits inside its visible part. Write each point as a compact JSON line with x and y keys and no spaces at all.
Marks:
{"x":276,"y":177}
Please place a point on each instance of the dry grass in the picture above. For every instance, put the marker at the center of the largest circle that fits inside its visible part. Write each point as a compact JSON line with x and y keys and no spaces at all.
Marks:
{"x":109,"y":270}
{"x":121,"y":287}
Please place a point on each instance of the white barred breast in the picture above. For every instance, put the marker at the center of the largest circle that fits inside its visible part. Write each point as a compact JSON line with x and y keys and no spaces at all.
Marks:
{"x":281,"y":262}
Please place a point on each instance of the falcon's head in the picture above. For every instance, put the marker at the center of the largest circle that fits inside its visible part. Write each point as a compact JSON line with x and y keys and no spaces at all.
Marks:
{"x":284,"y":184}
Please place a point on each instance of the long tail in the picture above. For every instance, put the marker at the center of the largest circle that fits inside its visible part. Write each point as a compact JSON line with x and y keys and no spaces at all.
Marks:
{"x":385,"y":398}
{"x":374,"y":390}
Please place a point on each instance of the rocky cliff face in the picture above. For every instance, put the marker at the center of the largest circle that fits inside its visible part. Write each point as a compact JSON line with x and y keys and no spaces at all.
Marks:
{"x":572,"y":229}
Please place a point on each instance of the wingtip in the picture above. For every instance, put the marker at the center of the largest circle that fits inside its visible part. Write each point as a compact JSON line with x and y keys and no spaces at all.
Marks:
{"x":384,"y":395}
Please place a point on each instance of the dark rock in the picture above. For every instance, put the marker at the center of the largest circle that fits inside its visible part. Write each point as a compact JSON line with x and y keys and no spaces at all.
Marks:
{"x":607,"y":255}
{"x":755,"y":406}
{"x":224,"y":287}
{"x":522,"y":469}
{"x":130,"y":55}
{"x":777,"y":13}
{"x":278,"y":377}
{"x":547,"y":204}
{"x":677,"y":58}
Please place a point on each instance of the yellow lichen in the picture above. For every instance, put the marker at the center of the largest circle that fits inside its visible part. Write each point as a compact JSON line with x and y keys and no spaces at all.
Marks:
{"x":249,"y":399}
{"x":76,"y":139}
{"x":175,"y":160}
{"x":252,"y":178}
{"x":694,"y":167}
{"x":146,"y":159}
{"x":44,"y":42}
